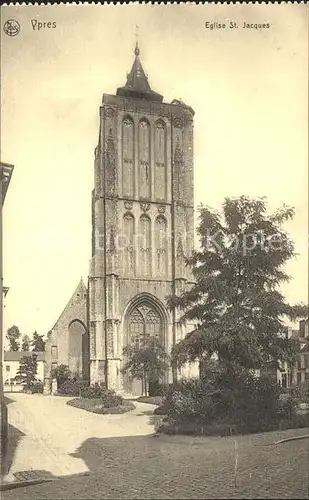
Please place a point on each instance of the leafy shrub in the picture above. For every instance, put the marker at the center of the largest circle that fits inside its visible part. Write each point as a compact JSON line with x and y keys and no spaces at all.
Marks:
{"x":92,"y":391}
{"x":72,"y":387}
{"x":161,"y":409}
{"x":62,"y":373}
{"x":286,"y":405}
{"x":222,"y":401}
{"x":187,"y":399}
{"x":37,"y":387}
{"x":295,"y":422}
{"x":26,"y":389}
{"x":153,"y":400}
{"x":108,"y":398}
{"x":157,"y":389}
{"x":300,"y":393}
{"x":222,"y":398}
{"x":113,"y":400}
{"x":224,"y":429}
{"x":163,"y":389}
{"x":95,"y":405}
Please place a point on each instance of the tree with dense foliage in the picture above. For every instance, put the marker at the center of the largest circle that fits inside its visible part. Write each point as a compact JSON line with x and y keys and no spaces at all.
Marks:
{"x":25,"y":343}
{"x":147,"y":363}
{"x":38,"y":342}
{"x":235,"y":303}
{"x":27,"y":370}
{"x":13,"y":335}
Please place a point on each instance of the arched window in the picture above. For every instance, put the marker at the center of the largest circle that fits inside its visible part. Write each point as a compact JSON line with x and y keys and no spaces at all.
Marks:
{"x":160,"y":160}
{"x":128,"y":245}
{"x":128,"y":157}
{"x":161,"y":245}
{"x":145,"y":246}
{"x":144,"y":323}
{"x":136,"y":329}
{"x":144,"y":158}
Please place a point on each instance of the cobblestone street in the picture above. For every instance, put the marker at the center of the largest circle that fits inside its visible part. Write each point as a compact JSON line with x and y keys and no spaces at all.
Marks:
{"x":95,"y":456}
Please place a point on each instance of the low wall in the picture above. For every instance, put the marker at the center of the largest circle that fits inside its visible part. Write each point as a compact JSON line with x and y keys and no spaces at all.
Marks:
{"x":12,"y":388}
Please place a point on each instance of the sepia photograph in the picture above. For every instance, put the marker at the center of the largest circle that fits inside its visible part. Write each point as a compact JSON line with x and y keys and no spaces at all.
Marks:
{"x":154,"y":251}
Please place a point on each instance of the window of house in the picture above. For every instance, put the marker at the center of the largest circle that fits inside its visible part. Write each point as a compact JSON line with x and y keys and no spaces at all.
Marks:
{"x":54,"y":351}
{"x":7,"y":368}
{"x":54,"y":366}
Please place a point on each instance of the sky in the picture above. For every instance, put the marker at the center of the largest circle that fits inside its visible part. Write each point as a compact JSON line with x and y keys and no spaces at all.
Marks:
{"x":249,"y":90}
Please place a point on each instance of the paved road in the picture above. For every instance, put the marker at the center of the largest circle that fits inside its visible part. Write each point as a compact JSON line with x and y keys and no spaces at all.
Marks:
{"x":95,"y":456}
{"x":53,"y":431}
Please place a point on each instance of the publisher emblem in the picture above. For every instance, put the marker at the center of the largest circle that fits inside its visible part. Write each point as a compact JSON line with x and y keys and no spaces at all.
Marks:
{"x":11,"y":27}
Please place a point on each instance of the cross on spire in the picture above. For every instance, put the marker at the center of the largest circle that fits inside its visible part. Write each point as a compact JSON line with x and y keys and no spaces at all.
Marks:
{"x":136,"y":33}
{"x":136,"y":51}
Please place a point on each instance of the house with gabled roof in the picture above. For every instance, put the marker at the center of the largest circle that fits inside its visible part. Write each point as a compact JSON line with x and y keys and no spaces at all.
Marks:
{"x":11,"y":365}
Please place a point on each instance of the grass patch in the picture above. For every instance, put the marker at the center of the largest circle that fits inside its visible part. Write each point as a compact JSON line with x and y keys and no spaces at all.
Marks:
{"x":95,"y":405}
{"x":152,"y":400}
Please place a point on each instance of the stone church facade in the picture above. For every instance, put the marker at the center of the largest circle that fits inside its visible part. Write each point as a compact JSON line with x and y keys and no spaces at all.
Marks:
{"x":68,"y":339}
{"x":142,"y":224}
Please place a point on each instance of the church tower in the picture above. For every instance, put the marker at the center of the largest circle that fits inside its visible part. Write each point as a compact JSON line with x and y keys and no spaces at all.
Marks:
{"x":142,"y":224}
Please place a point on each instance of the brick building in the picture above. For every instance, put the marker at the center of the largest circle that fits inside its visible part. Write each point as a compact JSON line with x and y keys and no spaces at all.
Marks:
{"x":142,"y":224}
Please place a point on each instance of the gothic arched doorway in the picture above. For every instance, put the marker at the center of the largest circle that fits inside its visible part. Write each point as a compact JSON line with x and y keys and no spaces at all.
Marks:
{"x":145,"y":321}
{"x":77,"y":348}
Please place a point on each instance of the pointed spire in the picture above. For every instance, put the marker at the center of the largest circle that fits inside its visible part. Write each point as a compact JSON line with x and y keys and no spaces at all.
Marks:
{"x":136,"y":50}
{"x":81,"y":284}
{"x":137,"y":79}
{"x":137,"y":82}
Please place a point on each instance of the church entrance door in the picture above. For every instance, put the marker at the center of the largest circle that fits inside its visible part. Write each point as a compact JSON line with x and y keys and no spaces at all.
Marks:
{"x":144,"y":323}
